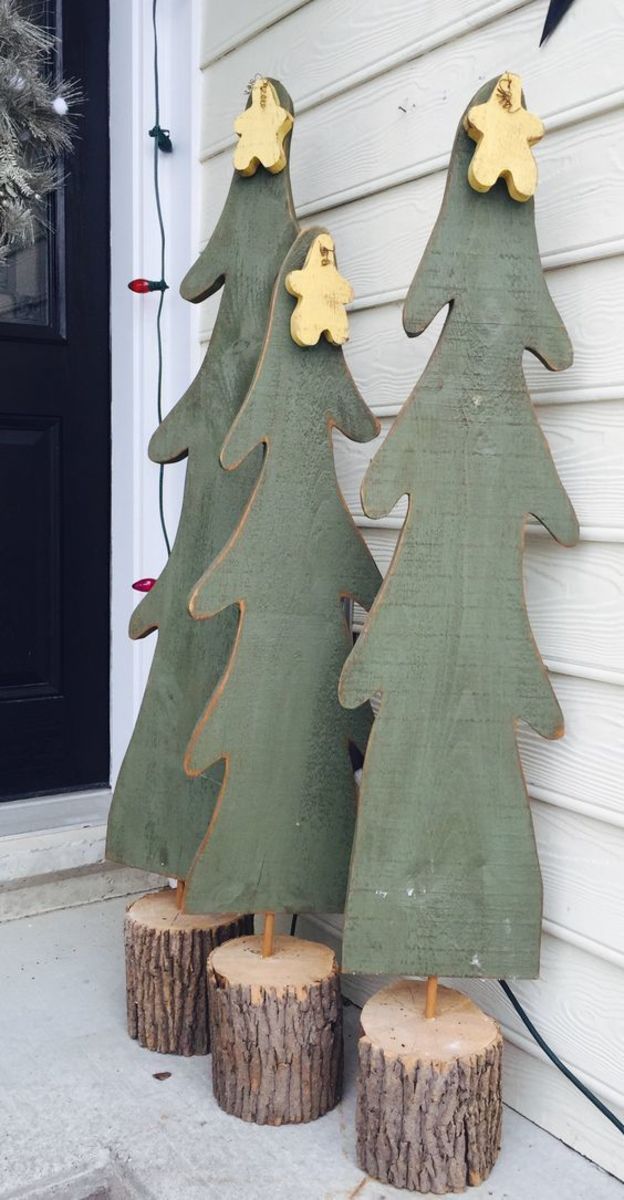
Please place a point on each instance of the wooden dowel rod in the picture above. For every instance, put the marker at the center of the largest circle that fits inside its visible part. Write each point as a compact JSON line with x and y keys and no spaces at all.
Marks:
{"x":180,"y":886}
{"x":267,"y":934}
{"x":431,"y":996}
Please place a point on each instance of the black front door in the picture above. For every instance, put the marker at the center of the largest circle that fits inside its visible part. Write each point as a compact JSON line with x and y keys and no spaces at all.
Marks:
{"x":55,"y":455}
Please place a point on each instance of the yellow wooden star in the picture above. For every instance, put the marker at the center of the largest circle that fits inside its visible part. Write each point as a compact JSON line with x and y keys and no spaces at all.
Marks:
{"x":321,"y":296}
{"x":261,"y":129}
{"x":504,"y":132}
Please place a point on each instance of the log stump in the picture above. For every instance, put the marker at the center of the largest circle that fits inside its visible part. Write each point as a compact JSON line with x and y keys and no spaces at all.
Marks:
{"x":166,"y":954}
{"x":429,"y":1091}
{"x":275,"y":1030}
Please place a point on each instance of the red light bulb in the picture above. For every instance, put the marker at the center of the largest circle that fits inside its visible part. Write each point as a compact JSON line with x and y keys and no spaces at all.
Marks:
{"x":144,"y":585}
{"x":141,"y":286}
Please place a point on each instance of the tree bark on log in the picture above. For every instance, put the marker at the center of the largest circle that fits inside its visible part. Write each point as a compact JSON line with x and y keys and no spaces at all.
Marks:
{"x":429,"y":1091}
{"x":276,"y":1030}
{"x":166,"y":955}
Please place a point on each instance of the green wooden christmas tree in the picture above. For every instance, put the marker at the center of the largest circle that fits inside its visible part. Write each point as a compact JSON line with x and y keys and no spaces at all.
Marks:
{"x":159,"y":814}
{"x":445,"y":877}
{"x":281,"y":833}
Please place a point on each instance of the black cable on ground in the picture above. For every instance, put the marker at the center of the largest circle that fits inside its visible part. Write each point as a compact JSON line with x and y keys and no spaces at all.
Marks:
{"x":543,"y":1045}
{"x":556,"y":1061}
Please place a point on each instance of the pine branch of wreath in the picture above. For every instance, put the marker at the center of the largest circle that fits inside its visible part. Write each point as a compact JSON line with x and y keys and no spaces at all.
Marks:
{"x":35,"y":126}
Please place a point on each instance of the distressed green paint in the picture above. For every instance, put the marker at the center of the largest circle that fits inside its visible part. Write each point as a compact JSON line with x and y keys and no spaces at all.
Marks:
{"x":445,"y":877}
{"x":159,"y":815}
{"x":282,"y":830}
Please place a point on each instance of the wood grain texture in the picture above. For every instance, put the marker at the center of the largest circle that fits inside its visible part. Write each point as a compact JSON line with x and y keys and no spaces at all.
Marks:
{"x":575,"y":604}
{"x":281,"y":834}
{"x":584,"y":767}
{"x":587,"y":443}
{"x":429,"y":1091}
{"x":225,"y":26}
{"x":575,"y":601}
{"x":580,"y":860}
{"x":384,"y":116}
{"x":166,"y":986}
{"x":366,"y":39}
{"x":445,"y":878}
{"x":276,"y":1031}
{"x":534,"y":1087}
{"x":574,"y":162}
{"x":574,"y":1005}
{"x":590,"y":297}
{"x":573,"y":983}
{"x":581,"y":863}
{"x":158,"y":815}
{"x":530,"y":1083}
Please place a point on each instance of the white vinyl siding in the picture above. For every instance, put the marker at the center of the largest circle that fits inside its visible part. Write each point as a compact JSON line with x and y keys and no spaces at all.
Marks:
{"x":378,"y":90}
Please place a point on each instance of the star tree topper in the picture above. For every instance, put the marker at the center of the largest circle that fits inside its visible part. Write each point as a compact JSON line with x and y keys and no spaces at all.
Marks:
{"x":321,"y":296}
{"x":262,"y":128}
{"x":504,"y":132}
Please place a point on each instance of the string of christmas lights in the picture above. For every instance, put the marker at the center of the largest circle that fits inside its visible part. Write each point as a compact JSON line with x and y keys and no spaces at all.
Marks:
{"x":141,"y":286}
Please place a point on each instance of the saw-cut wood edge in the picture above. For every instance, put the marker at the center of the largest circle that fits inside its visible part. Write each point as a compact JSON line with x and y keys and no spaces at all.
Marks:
{"x":275,"y":1030}
{"x":166,"y":955}
{"x":429,"y":1090}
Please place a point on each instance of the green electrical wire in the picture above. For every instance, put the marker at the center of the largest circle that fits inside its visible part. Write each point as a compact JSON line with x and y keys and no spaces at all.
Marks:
{"x":158,"y":135}
{"x":556,"y":1061}
{"x":543,"y":1045}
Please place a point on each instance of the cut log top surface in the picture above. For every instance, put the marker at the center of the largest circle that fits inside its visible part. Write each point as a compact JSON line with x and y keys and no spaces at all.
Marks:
{"x":295,"y":965}
{"x":394,"y":1019}
{"x":159,"y":910}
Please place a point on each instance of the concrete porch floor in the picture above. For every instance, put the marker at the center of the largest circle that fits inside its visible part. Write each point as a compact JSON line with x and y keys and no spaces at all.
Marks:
{"x":84,"y":1118}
